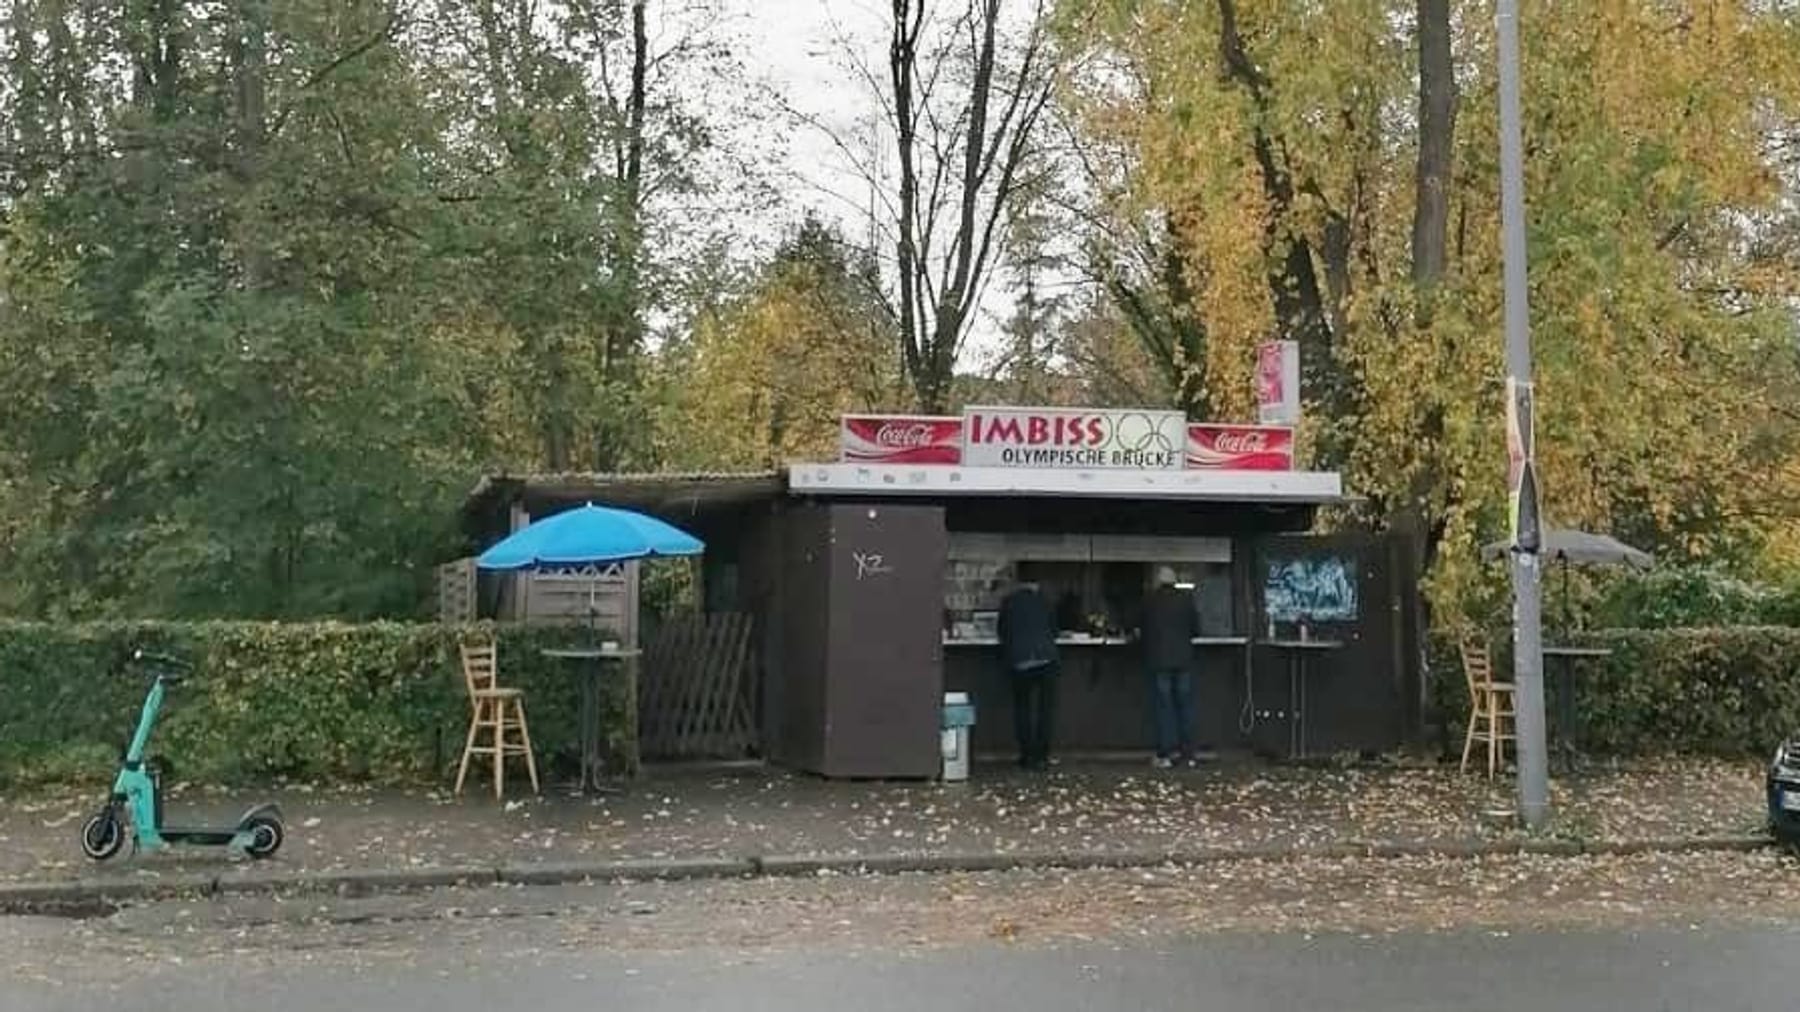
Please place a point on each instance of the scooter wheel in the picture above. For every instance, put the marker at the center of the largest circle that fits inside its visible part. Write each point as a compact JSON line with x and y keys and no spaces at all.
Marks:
{"x":266,"y":835}
{"x":102,"y":836}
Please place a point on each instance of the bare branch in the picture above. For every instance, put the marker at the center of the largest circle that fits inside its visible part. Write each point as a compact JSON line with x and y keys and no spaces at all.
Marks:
{"x":396,"y":19}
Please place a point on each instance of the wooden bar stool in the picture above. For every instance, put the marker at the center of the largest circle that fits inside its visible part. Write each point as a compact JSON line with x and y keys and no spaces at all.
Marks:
{"x":1492,"y":709}
{"x":495,"y":710}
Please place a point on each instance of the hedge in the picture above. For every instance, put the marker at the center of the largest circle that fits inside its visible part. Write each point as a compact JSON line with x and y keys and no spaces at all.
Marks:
{"x":1674,"y":596}
{"x":1728,"y":691}
{"x":1724,"y":691}
{"x":376,"y":703}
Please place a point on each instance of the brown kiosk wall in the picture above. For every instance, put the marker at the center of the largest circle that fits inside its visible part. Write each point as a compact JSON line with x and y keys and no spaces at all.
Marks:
{"x":861,"y":639}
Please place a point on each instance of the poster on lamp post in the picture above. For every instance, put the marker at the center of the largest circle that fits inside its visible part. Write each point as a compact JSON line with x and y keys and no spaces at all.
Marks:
{"x":1521,"y":471}
{"x":1278,"y":383}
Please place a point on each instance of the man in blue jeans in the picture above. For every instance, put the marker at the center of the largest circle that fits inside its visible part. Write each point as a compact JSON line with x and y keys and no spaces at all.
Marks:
{"x":1028,"y":653}
{"x":1170,"y":625}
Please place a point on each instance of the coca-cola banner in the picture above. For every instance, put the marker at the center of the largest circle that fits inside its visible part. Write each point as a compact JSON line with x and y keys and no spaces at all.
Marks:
{"x":1240,"y":447}
{"x":1078,"y":438}
{"x":900,"y":439}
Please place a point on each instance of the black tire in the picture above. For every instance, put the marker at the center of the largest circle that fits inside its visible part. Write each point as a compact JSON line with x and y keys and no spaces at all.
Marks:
{"x":266,"y":834}
{"x":102,"y":835}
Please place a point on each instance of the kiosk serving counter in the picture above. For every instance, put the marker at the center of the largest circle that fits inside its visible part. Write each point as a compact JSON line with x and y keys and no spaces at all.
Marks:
{"x":1097,"y":585}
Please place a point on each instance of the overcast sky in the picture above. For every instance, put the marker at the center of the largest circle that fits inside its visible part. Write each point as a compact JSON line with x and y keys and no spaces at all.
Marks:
{"x":801,"y":49}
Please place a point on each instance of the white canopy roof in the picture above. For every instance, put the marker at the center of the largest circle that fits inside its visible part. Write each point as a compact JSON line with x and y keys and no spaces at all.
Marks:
{"x":936,"y":480}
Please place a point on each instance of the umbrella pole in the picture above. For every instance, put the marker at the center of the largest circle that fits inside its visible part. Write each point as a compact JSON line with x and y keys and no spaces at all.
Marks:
{"x":593,"y":612}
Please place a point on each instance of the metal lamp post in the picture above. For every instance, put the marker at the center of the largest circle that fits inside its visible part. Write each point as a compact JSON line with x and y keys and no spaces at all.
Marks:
{"x":1528,"y":658}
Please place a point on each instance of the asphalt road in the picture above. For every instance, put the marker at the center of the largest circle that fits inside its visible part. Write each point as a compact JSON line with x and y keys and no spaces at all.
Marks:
{"x":1714,"y":968}
{"x":1644,"y":932}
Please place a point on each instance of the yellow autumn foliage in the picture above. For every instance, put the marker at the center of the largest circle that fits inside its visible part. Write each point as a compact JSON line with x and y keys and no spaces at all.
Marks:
{"x":765,"y":378}
{"x":1664,"y":239}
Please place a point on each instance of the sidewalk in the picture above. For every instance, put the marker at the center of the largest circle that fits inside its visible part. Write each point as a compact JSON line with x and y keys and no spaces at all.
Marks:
{"x":1079,"y":814}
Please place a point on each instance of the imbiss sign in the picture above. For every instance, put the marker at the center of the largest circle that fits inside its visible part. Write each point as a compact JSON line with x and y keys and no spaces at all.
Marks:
{"x":1074,"y":438}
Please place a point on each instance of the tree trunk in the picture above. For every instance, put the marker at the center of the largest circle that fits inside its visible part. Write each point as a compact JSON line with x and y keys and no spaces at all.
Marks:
{"x":947,"y":230}
{"x":1437,"y":136}
{"x":624,"y":338}
{"x":249,"y":84}
{"x":1430,"y":255}
{"x":903,"y":56}
{"x":156,"y":74}
{"x":27,"y":106}
{"x":1162,"y":316}
{"x":1186,"y":332}
{"x":957,"y":296}
{"x":626,"y":335}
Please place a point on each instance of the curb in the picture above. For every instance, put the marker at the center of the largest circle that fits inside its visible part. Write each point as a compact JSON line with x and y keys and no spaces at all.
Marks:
{"x":27,"y":896}
{"x":677,"y":869}
{"x":354,"y":882}
{"x":103,"y":896}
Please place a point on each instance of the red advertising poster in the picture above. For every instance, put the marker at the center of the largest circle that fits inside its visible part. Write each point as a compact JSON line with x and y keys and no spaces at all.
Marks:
{"x":1240,"y":447}
{"x":1278,"y":382}
{"x":900,"y":439}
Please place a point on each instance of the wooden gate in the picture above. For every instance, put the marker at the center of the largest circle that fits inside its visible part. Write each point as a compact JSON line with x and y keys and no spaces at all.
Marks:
{"x":695,"y":698}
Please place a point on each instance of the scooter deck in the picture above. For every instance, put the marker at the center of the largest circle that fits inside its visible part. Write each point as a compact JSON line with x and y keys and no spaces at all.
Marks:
{"x":204,"y":837}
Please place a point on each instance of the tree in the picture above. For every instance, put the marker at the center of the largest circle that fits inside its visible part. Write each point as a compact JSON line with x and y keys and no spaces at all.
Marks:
{"x":964,"y":109}
{"x":220,"y":404}
{"x":767,"y":374}
{"x":276,"y":280}
{"x":1132,"y":248}
{"x":1329,"y":186}
{"x":1423,"y":511}
{"x":1033,"y":333}
{"x":585,"y":152}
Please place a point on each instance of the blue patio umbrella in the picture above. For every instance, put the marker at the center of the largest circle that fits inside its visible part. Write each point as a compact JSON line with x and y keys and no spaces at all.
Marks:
{"x":585,"y":536}
{"x":590,"y":534}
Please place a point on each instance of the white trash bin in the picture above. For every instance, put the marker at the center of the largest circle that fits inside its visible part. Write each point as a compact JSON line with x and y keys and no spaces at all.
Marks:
{"x":959,"y":717}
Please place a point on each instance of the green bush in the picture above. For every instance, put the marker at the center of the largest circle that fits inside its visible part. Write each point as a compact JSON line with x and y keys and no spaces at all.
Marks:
{"x":1782,"y":605}
{"x":1730,"y":691}
{"x":1681,"y":596}
{"x":379,"y":702}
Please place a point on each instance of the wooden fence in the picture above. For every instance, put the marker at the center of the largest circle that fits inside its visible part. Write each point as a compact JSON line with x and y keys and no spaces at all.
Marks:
{"x":695,"y":700}
{"x":456,"y":591}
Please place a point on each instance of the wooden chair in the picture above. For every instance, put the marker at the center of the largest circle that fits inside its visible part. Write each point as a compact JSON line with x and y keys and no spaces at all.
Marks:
{"x":497,"y":711}
{"x":1492,"y":709}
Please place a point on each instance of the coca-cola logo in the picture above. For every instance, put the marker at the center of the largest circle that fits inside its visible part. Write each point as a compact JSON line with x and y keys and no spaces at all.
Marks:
{"x":1241,"y":442}
{"x":1240,"y":448}
{"x":904,"y":435}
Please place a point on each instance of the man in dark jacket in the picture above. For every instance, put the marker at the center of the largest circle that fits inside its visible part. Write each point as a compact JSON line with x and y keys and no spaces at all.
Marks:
{"x":1170,"y":626}
{"x":1028,"y":653}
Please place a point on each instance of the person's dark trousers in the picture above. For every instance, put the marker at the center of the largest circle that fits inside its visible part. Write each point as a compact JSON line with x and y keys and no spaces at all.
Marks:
{"x":1172,"y":698}
{"x":1034,"y":713}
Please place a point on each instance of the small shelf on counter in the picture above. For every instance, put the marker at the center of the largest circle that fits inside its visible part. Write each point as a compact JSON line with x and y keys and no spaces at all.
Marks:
{"x":1099,"y":641}
{"x":1306,"y":644}
{"x":1061,"y":641}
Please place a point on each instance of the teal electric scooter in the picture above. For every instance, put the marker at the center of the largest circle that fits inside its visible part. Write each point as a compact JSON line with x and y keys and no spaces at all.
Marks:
{"x":136,"y":798}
